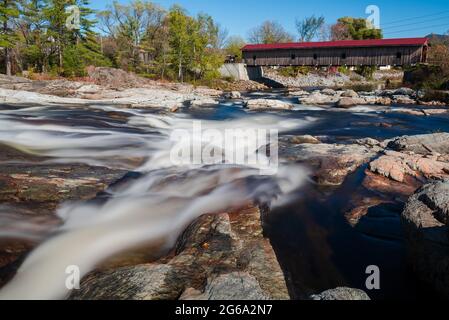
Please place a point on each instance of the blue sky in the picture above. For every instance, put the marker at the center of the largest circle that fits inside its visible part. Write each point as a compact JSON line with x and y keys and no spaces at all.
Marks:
{"x":398,"y":18}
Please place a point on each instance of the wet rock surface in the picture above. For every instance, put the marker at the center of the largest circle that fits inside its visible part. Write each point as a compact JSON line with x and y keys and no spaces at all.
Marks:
{"x":222,"y":256}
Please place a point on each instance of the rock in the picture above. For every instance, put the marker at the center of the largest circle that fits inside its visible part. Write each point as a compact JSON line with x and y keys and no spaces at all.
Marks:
{"x":329,"y":92}
{"x":396,"y":165}
{"x":231,"y":286}
{"x":257,"y":104}
{"x":422,"y":144}
{"x":383,"y":101}
{"x":144,"y":282}
{"x":53,"y":183}
{"x":208,"y":92}
{"x":198,"y":102}
{"x":233,"y":95}
{"x":299,"y":93}
{"x":115,"y":78}
{"x":350,"y":94}
{"x":345,"y":294}
{"x":413,"y":112}
{"x":346,"y":102}
{"x":425,"y":220}
{"x":219,"y":256}
{"x":405,"y":92}
{"x":401,"y":99}
{"x":370,"y":142}
{"x":317,"y":98}
{"x":135,"y":97}
{"x":311,"y":79}
{"x":304,"y":139}
{"x":430,"y":112}
{"x":331,"y":163}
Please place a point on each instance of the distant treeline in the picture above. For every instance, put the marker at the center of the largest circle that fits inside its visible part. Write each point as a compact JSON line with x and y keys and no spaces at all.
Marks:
{"x":44,"y":36}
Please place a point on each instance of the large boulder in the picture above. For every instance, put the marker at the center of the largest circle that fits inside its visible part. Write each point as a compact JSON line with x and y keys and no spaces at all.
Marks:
{"x":350,"y":94}
{"x":346,"y":102}
{"x":426,"y":226}
{"x":342,"y":293}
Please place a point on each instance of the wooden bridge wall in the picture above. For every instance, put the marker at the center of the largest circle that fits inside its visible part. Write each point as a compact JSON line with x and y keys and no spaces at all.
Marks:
{"x":371,"y":56}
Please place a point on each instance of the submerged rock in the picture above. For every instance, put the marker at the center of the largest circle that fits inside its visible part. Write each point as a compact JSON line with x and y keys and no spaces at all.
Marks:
{"x":426,"y":226}
{"x":342,"y":293}
{"x":221,"y":256}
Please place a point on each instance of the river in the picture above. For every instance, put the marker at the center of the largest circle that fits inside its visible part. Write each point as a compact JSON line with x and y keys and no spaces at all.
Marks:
{"x":315,"y":245}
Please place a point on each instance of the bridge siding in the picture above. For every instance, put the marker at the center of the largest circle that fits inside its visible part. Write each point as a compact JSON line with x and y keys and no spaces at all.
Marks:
{"x":377,"y":56}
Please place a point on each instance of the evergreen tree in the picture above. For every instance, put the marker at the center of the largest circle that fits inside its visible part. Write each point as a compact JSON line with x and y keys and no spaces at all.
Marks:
{"x":8,"y":11}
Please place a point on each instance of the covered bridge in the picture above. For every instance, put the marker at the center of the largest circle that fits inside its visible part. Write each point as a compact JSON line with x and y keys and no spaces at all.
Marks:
{"x":379,"y":52}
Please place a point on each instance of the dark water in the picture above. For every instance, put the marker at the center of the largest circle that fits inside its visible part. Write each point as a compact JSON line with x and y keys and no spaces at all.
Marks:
{"x":316,"y":246}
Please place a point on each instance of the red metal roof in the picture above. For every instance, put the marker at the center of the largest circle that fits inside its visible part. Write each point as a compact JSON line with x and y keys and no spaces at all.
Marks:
{"x":339,"y":44}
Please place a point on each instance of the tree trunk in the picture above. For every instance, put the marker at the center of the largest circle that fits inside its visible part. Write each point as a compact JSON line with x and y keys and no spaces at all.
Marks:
{"x":8,"y":61}
{"x":7,"y":50}
{"x":180,"y":69}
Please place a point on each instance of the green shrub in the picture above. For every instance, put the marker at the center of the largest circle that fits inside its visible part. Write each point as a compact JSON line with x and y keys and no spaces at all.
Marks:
{"x":366,"y":71}
{"x":294,"y":71}
{"x":344,"y":70}
{"x":425,"y":76}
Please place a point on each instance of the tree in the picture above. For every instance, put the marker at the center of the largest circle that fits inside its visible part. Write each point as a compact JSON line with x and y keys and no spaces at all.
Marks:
{"x":309,"y":27}
{"x":234,"y":47}
{"x":133,"y":27}
{"x":269,"y":32}
{"x":180,"y":27}
{"x":8,"y":12}
{"x":340,"y":31}
{"x":193,"y":45}
{"x":357,"y":28}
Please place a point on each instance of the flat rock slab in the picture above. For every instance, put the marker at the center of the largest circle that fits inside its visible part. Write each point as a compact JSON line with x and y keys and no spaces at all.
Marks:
{"x":331,"y":162}
{"x":53,"y":182}
{"x":422,"y":144}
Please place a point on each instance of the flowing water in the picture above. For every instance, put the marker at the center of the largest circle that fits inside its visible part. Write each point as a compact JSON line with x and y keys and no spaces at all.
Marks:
{"x":315,"y":245}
